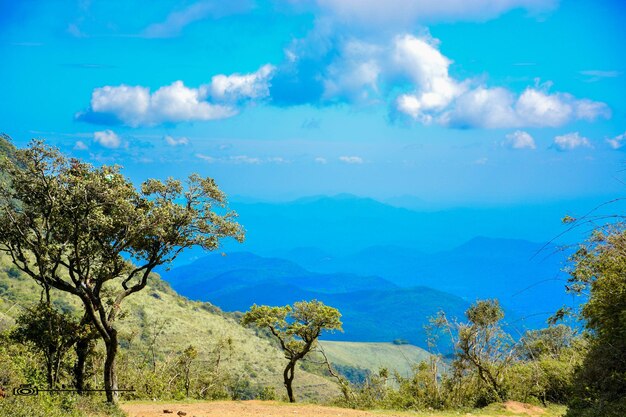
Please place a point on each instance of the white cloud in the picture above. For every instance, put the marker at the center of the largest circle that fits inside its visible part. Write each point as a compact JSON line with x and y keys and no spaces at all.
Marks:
{"x":107,"y":138}
{"x":520,"y":140}
{"x":172,"y":141}
{"x":80,"y":146}
{"x":320,"y":160}
{"x":440,"y":98}
{"x":617,"y":142}
{"x":481,"y":161}
{"x":137,"y":106}
{"x":229,"y":88}
{"x":351,"y":159}
{"x":571,"y":141}
{"x":427,"y":68}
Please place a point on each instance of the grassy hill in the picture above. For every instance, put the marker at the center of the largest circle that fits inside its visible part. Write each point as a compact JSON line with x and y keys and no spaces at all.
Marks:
{"x":373,"y":356}
{"x":181,"y":323}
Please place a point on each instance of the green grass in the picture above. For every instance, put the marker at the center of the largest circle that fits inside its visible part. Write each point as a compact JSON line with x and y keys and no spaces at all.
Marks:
{"x":373,"y":356}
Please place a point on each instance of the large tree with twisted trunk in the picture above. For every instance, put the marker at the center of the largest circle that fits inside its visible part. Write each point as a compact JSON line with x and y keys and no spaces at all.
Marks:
{"x":90,"y":232}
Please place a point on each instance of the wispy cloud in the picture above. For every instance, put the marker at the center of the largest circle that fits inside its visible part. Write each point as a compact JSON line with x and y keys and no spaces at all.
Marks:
{"x":172,"y":141}
{"x":177,"y":20}
{"x":242,"y":159}
{"x":351,"y":159}
{"x":617,"y":142}
{"x":597,"y":75}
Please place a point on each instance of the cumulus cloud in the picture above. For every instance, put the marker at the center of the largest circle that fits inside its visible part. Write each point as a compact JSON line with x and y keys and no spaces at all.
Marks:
{"x":138,"y":106}
{"x":520,"y":140}
{"x":351,"y":159}
{"x":617,"y":142}
{"x":571,"y":141}
{"x":440,"y":98}
{"x":413,"y":76}
{"x":320,"y":160}
{"x":427,"y":69}
{"x":107,"y":138}
{"x":172,"y":141}
{"x":236,"y":87}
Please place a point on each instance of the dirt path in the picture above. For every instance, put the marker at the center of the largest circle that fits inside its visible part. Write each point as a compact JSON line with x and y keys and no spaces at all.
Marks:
{"x":275,"y":409}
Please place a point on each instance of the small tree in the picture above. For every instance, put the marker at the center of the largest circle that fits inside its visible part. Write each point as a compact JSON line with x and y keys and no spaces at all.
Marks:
{"x":88,"y":231}
{"x":297,"y":329}
{"x":50,"y":333}
{"x":481,"y":346}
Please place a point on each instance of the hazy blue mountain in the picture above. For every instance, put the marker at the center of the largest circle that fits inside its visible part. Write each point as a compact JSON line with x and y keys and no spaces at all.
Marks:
{"x":373,"y":309}
{"x":345,"y":224}
{"x":524,"y":275}
{"x":220,"y":274}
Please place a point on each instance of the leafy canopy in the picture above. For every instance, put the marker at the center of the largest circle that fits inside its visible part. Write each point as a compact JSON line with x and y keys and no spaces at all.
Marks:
{"x":296,"y":328}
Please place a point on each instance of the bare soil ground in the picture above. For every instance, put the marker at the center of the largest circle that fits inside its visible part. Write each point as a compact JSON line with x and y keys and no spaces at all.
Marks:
{"x":275,"y":409}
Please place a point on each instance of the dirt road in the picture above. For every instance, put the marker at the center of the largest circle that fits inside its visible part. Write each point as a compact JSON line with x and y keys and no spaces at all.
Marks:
{"x":275,"y":409}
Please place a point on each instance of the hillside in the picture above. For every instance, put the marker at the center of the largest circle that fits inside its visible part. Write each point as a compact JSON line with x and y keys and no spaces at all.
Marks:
{"x":373,"y":356}
{"x":183,"y":323}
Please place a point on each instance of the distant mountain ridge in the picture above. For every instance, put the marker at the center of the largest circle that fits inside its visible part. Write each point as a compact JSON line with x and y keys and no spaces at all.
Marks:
{"x":525,"y":276}
{"x":345,"y":224}
{"x":373,"y":309}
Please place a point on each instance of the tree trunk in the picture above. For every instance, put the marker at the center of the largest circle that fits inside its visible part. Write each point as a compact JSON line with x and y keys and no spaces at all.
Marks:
{"x":82,"y":351}
{"x":110,"y":377}
{"x":49,"y":371}
{"x":288,"y":378}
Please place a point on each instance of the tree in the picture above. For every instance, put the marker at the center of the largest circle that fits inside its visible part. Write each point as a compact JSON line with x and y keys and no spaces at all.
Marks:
{"x":481,"y":345}
{"x":88,"y":231}
{"x":50,"y":333}
{"x":599,"y":274}
{"x":297,"y":329}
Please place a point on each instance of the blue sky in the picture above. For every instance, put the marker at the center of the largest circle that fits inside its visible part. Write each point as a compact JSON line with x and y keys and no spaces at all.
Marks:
{"x":493,"y":102}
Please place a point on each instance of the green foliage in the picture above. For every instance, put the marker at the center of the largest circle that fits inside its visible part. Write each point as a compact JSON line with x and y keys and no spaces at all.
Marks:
{"x":599,"y":273}
{"x":50,"y":333}
{"x":297,"y":329}
{"x":89,"y":232}
{"x":483,"y":350}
